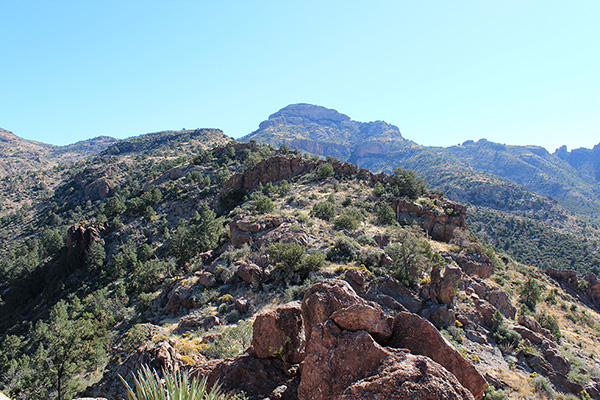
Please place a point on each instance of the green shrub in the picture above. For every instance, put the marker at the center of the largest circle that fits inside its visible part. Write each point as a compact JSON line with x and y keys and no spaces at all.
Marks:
{"x":233,"y":341}
{"x":378,"y":189}
{"x":542,"y":385}
{"x":501,"y":333}
{"x":344,"y":250}
{"x":263,"y":205}
{"x":325,"y":170}
{"x":385,"y":214}
{"x":323,"y":210}
{"x":408,"y":257}
{"x":492,"y":394}
{"x":313,"y":262}
{"x":406,"y":183}
{"x":288,"y":254}
{"x":530,"y":293}
{"x":366,"y":240}
{"x":551,"y":323}
{"x":350,"y":218}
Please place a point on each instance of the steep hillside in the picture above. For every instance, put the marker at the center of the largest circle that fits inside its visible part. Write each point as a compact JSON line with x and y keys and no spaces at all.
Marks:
{"x":280,"y":276}
{"x":520,"y":196}
{"x":18,"y":155}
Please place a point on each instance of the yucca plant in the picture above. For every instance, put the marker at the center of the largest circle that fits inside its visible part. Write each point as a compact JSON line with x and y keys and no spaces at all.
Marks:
{"x":174,"y":386}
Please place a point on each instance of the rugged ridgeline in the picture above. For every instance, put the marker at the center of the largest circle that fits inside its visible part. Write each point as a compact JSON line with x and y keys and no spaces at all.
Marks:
{"x":275,"y":274}
{"x":524,"y":200}
{"x":20,"y":155}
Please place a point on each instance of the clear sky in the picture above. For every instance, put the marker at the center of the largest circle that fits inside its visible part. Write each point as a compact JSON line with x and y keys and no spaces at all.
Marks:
{"x":511,"y":71}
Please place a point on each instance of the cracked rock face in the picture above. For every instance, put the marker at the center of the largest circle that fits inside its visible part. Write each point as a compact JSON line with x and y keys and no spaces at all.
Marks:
{"x":341,"y":364}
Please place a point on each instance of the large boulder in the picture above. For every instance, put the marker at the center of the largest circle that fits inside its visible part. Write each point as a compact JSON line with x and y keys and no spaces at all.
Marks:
{"x":340,"y":364}
{"x":184,"y":293}
{"x":364,"y":317}
{"x":323,"y":299}
{"x":532,"y":324}
{"x":448,"y":286}
{"x":280,"y":333}
{"x":501,"y":300}
{"x":408,"y":377}
{"x":474,"y":263}
{"x":419,"y":336}
{"x":251,"y":273}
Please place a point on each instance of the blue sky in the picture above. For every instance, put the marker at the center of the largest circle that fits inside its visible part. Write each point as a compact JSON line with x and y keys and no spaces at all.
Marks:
{"x":516,"y":72}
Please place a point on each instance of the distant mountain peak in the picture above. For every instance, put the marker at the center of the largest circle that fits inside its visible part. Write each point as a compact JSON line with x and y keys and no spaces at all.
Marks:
{"x":309,"y":112}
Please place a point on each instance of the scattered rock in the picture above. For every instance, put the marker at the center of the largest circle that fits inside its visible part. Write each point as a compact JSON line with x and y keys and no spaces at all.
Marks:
{"x":251,"y":273}
{"x":256,"y":377}
{"x":382,"y":240}
{"x":206,"y":279}
{"x":241,"y":304}
{"x":210,"y":321}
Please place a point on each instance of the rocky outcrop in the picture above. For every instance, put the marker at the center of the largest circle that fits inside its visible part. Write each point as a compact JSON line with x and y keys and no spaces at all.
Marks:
{"x":270,"y":170}
{"x":569,"y":276}
{"x":588,"y":286}
{"x":81,"y":237}
{"x":532,"y":324}
{"x":444,"y":286}
{"x":474,"y":263}
{"x":280,"y":334}
{"x":496,"y":297}
{"x":79,"y":240}
{"x":98,"y":190}
{"x":246,"y":229}
{"x":340,"y":364}
{"x":440,"y":223}
{"x":323,"y":299}
{"x":421,"y":337}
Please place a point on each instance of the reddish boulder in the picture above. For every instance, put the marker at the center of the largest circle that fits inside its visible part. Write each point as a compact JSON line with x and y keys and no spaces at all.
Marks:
{"x":280,"y":333}
{"x":364,"y":317}
{"x":501,"y":300}
{"x":532,"y":324}
{"x":448,"y":287}
{"x":408,"y":377}
{"x":420,"y":337}
{"x":350,"y":365}
{"x":241,"y":304}
{"x":563,"y":275}
{"x":474,"y":263}
{"x":485,"y":309}
{"x":210,"y":322}
{"x":206,"y":279}
{"x":251,"y":273}
{"x":323,"y":299}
